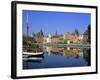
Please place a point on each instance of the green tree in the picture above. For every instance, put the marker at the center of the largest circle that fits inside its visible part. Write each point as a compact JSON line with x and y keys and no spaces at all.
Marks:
{"x":87,"y":35}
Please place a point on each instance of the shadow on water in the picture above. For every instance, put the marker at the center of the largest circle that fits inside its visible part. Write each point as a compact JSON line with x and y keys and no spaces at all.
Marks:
{"x":87,"y":55}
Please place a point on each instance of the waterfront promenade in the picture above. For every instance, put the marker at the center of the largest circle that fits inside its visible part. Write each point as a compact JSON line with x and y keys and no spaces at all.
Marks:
{"x":72,"y":45}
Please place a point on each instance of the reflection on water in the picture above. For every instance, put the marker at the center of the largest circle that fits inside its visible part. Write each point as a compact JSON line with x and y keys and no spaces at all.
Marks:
{"x":54,"y":56}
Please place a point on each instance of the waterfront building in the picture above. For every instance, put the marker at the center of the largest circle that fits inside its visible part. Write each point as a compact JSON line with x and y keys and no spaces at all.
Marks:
{"x":66,"y":38}
{"x":71,"y":38}
{"x":39,"y":37}
{"x":49,"y":38}
{"x":57,"y":39}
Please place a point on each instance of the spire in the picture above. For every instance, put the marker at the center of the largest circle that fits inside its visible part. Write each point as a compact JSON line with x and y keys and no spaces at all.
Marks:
{"x":27,"y":26}
{"x":56,"y":33}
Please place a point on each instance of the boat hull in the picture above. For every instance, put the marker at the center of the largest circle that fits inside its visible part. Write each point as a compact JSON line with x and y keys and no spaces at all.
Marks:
{"x":33,"y":54}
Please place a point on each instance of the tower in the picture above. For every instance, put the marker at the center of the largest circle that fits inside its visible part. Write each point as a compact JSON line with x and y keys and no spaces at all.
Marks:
{"x":56,"y":33}
{"x":27,"y":27}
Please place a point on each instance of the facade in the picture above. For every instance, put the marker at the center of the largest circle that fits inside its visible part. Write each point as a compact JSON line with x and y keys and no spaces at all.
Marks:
{"x":57,"y":39}
{"x":39,"y":37}
{"x":72,"y":38}
{"x":53,"y":39}
{"x":66,"y":38}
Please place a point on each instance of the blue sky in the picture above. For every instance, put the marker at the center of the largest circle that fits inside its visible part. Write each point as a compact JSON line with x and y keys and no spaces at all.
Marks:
{"x":50,"y":22}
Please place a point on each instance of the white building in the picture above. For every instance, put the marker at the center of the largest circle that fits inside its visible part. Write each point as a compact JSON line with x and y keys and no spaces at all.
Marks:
{"x":49,"y":38}
{"x":80,"y":37}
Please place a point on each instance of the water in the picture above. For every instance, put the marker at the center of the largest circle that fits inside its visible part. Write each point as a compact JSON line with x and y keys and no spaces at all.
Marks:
{"x":55,"y":57}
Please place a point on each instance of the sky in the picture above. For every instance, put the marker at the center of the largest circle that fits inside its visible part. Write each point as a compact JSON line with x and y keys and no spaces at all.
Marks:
{"x":51,"y":22}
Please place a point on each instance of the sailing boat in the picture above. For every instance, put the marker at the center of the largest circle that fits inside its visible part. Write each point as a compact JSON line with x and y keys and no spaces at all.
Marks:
{"x":32,"y":53}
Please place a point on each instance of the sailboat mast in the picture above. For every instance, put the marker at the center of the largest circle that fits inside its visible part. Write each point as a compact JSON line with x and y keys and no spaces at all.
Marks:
{"x":27,"y":26}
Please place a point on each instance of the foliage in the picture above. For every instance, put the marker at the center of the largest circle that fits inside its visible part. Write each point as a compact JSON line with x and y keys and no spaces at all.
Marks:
{"x":87,"y":35}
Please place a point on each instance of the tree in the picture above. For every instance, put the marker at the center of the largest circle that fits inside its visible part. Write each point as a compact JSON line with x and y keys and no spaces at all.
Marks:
{"x":87,"y":35}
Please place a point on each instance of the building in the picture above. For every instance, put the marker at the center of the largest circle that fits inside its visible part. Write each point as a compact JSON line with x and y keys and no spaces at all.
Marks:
{"x":71,"y":38}
{"x":39,"y":37}
{"x":57,"y":39}
{"x":53,"y":39}
{"x":66,"y":38}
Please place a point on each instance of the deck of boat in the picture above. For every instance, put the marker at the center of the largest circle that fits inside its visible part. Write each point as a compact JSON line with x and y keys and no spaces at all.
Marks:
{"x":32,"y":53}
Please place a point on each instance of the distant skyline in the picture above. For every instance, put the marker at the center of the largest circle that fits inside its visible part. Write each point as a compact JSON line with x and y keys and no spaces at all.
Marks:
{"x":51,"y":22}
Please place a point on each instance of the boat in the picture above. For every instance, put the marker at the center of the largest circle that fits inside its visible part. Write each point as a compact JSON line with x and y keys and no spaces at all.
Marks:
{"x":33,"y":54}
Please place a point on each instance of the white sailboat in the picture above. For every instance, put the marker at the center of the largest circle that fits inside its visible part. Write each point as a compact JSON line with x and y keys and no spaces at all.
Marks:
{"x":32,"y":53}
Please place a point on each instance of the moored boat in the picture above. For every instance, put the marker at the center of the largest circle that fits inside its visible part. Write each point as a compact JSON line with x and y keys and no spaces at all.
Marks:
{"x":33,"y":54}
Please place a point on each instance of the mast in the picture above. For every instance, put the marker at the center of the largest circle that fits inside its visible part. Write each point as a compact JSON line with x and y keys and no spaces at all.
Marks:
{"x":27,"y":27}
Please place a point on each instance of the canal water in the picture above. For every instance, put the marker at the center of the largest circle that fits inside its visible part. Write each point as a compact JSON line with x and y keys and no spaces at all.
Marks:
{"x":56,"y":57}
